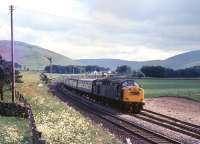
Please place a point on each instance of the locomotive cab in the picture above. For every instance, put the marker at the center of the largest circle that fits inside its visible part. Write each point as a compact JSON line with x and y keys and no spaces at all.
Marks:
{"x":132,"y":96}
{"x":132,"y":91}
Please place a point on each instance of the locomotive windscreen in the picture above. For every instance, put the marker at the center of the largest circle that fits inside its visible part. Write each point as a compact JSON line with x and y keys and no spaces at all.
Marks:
{"x":129,"y":83}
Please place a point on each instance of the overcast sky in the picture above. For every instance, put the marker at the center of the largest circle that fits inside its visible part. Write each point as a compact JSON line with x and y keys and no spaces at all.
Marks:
{"x":122,"y":29}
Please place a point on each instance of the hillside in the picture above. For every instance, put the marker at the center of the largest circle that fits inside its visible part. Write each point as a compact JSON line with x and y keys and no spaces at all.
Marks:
{"x":31,"y":56}
{"x":184,"y":60}
{"x":113,"y":63}
{"x":176,"y":62}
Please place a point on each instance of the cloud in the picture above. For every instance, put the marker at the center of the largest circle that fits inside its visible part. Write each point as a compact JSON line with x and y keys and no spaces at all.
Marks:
{"x":133,"y":30}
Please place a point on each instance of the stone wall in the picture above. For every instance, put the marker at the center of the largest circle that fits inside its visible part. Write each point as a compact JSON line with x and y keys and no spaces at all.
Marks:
{"x":13,"y":109}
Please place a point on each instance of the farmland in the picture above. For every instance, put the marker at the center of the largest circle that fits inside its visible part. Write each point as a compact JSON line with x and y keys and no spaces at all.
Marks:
{"x":171,"y":87}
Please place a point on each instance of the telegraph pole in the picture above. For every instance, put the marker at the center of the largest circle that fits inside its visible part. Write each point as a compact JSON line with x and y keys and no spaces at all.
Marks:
{"x":11,"y":8}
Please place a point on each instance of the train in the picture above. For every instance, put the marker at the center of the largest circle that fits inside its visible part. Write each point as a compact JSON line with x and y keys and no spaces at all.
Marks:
{"x":125,"y":94}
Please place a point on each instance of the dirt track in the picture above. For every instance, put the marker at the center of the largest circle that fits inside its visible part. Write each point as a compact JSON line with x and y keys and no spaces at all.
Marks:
{"x":180,"y":108}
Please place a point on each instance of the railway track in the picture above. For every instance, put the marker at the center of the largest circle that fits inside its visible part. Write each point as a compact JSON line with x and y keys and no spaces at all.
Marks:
{"x":170,"y":123}
{"x":128,"y":126}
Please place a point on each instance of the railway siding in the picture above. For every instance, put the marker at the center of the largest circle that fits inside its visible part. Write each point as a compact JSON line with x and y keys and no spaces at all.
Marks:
{"x":173,"y":125}
{"x":184,"y":138}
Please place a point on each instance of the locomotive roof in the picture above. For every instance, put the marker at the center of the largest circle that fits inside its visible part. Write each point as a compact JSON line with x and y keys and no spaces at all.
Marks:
{"x":113,"y":80}
{"x":81,"y":79}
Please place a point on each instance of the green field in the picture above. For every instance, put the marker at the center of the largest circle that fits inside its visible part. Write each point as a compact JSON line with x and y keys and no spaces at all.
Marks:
{"x":171,"y":87}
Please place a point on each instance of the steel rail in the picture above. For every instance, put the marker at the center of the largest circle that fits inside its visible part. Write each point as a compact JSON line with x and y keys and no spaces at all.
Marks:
{"x":126,"y":125}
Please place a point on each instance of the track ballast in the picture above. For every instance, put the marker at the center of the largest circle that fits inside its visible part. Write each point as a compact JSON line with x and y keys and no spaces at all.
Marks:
{"x":128,"y":126}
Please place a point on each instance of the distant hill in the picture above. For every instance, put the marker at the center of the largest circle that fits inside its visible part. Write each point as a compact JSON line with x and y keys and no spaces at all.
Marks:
{"x":180,"y":61}
{"x":31,"y":56}
{"x":184,"y":60}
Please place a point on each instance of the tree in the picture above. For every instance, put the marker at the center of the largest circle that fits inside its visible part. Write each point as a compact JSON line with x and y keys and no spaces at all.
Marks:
{"x":6,"y":75}
{"x":1,"y":81}
{"x":74,"y":69}
{"x":157,"y":71}
{"x":140,"y":74}
{"x":162,"y":72}
{"x":123,"y":69}
{"x":3,"y":75}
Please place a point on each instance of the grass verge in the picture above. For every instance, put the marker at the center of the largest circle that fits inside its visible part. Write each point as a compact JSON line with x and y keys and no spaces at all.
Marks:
{"x":58,"y":123}
{"x":14,"y":130}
